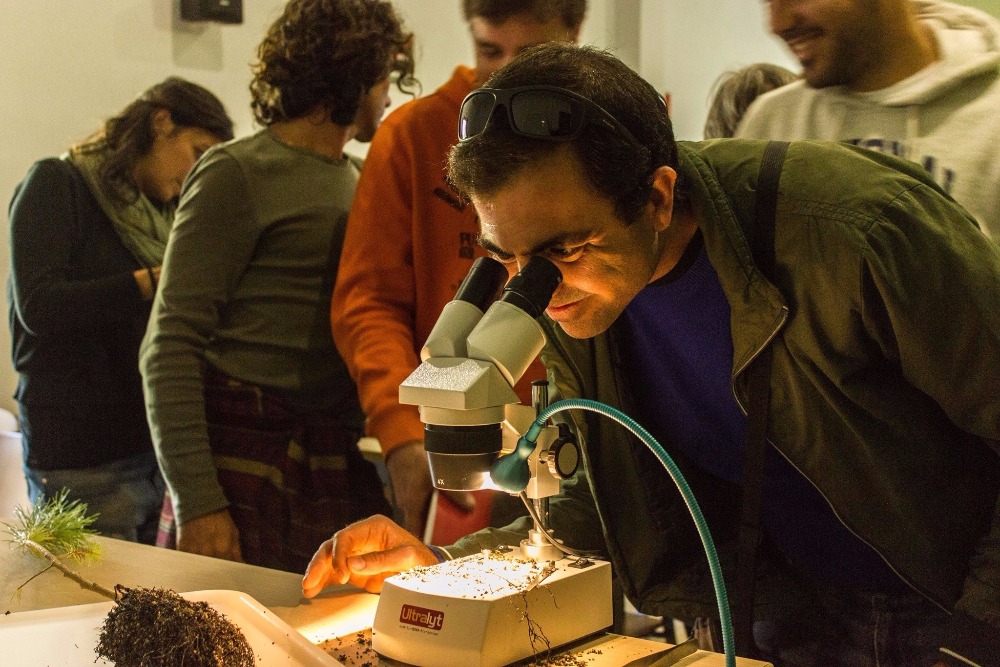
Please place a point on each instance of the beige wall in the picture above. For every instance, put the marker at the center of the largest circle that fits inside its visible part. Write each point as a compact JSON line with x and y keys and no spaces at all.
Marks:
{"x":686,"y":45}
{"x":991,"y":6}
{"x":66,"y":65}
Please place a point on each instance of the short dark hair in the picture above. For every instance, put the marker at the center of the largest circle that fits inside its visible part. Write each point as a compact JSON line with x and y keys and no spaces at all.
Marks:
{"x":613,"y":165}
{"x":128,"y":135}
{"x":734,"y":91}
{"x":497,"y":11}
{"x":326,"y":52}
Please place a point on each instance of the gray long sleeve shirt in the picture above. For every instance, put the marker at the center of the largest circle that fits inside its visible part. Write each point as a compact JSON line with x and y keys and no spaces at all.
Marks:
{"x":246,"y":287}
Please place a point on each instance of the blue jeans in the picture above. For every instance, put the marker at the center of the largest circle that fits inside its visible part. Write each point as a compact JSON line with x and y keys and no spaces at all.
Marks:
{"x":127,"y":494}
{"x":854,"y":629}
{"x":802,"y":622}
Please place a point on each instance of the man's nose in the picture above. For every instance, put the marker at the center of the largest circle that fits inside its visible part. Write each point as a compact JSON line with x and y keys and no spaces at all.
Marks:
{"x":522,"y":261}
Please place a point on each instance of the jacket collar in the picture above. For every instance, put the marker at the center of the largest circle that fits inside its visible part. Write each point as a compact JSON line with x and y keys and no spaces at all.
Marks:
{"x":758,"y":310}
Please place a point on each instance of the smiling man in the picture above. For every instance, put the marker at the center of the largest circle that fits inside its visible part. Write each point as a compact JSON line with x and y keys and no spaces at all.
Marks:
{"x":882,"y":470}
{"x":918,"y":79}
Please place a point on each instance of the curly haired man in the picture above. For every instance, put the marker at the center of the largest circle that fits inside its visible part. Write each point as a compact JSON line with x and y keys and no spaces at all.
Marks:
{"x":254,"y":417}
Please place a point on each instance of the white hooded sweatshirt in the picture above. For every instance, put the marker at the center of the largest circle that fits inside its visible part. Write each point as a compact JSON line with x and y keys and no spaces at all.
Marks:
{"x":945,"y":117}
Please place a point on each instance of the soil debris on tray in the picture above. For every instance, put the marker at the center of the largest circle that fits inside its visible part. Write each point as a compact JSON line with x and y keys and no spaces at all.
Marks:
{"x":146,"y":626}
{"x":157,"y":626}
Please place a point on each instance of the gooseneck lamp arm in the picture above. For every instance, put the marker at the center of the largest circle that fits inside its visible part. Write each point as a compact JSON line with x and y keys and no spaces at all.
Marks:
{"x":511,"y":472}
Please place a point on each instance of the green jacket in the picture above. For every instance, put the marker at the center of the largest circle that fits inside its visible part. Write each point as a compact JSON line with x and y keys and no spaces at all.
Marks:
{"x":884,"y":320}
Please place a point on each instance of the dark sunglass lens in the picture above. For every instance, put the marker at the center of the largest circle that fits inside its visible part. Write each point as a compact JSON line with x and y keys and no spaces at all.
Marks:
{"x":476,"y":112}
{"x":542,"y":113}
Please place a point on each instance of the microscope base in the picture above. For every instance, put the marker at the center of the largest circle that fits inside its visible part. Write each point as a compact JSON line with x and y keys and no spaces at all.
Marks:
{"x":490,"y":609}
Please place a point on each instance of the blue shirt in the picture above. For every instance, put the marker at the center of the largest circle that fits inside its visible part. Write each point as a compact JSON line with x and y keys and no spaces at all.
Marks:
{"x":676,"y":340}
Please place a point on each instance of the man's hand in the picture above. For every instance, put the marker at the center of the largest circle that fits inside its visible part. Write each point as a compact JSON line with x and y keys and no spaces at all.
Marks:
{"x":364,"y":554}
{"x":212,"y":534}
{"x":411,"y":486}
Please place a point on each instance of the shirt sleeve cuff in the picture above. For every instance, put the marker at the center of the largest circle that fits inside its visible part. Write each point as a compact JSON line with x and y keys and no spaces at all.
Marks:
{"x":441,"y":554}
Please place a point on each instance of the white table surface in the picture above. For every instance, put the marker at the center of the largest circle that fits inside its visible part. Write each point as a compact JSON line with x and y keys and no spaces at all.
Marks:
{"x":338,"y":612}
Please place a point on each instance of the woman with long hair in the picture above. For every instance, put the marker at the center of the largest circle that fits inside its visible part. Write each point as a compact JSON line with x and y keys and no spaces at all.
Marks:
{"x":88,"y":232}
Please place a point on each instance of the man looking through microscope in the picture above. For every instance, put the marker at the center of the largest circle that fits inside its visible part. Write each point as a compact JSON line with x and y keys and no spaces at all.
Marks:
{"x":882,"y":410}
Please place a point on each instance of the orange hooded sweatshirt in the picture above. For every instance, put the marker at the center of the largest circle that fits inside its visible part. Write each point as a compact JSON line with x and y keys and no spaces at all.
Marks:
{"x":410,"y":241}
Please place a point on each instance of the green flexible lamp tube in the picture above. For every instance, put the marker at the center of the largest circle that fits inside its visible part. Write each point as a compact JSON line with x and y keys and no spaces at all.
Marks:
{"x":511,"y":473}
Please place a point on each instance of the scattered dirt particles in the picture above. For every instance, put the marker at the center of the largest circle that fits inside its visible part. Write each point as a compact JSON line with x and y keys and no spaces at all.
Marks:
{"x":484,"y":575}
{"x":353,"y":650}
{"x":581,"y":660}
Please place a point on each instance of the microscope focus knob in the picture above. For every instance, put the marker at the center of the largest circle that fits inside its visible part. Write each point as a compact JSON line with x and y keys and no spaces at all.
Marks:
{"x":563,"y":455}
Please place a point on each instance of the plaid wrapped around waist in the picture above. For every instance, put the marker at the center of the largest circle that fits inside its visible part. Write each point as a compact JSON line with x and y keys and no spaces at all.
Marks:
{"x":292,"y":477}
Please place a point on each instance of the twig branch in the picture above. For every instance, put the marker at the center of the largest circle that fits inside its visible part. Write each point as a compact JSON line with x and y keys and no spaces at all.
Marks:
{"x":62,"y":567}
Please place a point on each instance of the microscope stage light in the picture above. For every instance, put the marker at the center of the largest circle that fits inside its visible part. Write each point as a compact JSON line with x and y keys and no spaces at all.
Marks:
{"x":490,"y":609}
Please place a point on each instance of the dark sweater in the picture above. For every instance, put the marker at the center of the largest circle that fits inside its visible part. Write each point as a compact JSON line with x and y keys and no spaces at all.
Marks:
{"x":76,"y":320}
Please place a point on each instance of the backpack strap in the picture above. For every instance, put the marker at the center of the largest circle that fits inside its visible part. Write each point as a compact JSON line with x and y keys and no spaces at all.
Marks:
{"x":761,"y":239}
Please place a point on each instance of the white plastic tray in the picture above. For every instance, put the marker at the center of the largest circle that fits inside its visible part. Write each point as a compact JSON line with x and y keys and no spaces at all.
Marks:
{"x":66,"y":636}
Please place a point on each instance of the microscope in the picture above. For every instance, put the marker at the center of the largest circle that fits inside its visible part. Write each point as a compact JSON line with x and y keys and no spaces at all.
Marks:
{"x":497,"y":607}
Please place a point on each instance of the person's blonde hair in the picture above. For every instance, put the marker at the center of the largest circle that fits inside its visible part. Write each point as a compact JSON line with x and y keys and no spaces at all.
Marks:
{"x":733,"y":92}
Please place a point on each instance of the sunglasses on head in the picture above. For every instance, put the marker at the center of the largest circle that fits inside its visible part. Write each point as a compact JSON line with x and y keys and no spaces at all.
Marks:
{"x":539,"y":112}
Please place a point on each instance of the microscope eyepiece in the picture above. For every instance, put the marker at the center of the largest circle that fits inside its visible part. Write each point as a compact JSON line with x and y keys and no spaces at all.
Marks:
{"x":482,"y":283}
{"x":471,"y":361}
{"x":532,"y":288}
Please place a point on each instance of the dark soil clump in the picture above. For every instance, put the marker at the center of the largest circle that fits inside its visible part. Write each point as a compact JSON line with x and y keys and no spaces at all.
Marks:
{"x":155,"y":626}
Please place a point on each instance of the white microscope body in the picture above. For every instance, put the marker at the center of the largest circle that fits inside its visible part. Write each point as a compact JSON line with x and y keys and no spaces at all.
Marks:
{"x":464,"y":388}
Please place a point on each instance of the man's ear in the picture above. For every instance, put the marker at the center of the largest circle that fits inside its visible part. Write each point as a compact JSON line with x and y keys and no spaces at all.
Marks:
{"x":162,"y":123}
{"x":661,"y":196}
